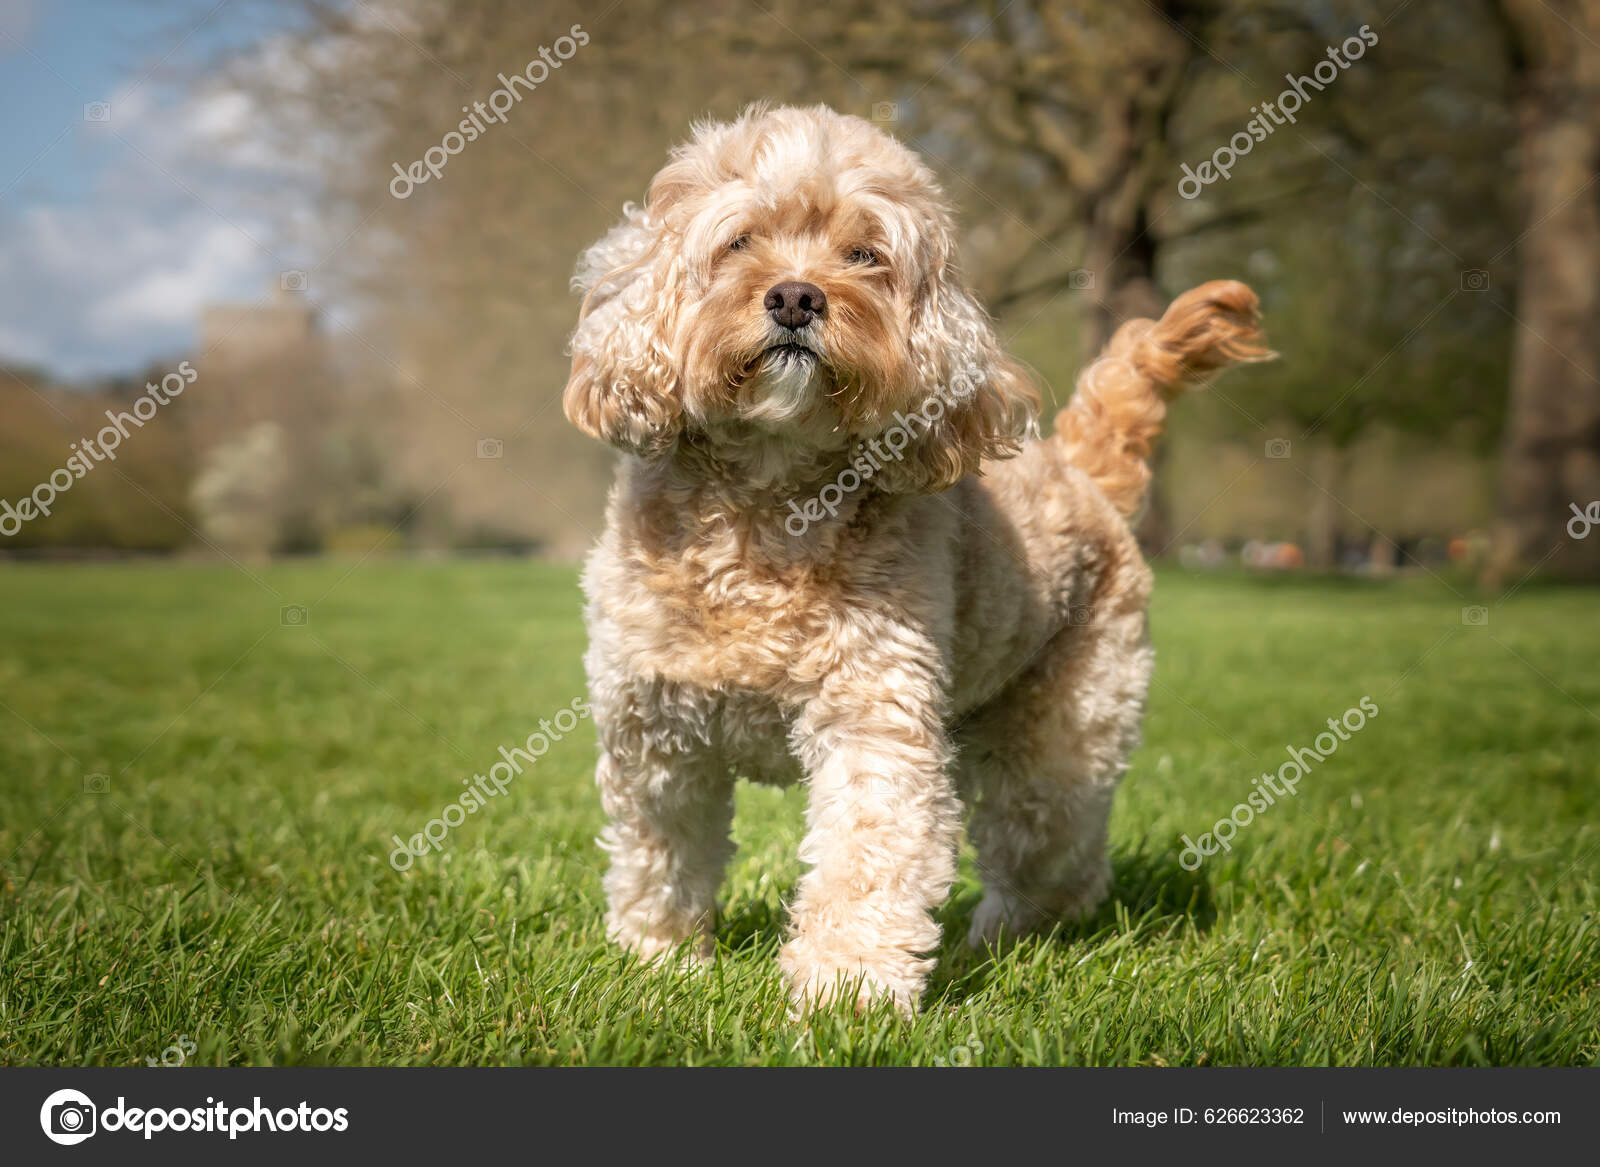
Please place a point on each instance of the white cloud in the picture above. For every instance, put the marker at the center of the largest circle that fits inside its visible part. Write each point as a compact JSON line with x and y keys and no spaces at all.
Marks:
{"x":116,"y":277}
{"x":19,"y":348}
{"x":172,"y":287}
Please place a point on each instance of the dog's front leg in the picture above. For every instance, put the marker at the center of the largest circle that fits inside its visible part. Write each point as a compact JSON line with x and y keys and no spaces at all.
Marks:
{"x":883,"y":825}
{"x":670,"y":812}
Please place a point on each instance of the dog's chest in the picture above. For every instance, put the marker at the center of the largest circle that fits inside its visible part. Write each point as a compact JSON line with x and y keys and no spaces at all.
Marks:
{"x":748,"y":733}
{"x":753,"y":734}
{"x":740,"y":635}
{"x":724,"y":626}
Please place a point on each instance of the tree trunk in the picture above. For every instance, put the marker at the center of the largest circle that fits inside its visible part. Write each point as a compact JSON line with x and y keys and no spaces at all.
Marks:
{"x":1383,"y":557}
{"x":1125,"y":289}
{"x":1323,"y":518}
{"x":1551,"y":455}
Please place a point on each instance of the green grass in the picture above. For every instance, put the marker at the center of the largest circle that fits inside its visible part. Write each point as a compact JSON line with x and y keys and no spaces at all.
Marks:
{"x":1428,"y":897}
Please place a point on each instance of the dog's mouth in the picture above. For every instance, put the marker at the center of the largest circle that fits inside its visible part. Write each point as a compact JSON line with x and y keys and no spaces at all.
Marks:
{"x":787,"y":358}
{"x":788,"y":351}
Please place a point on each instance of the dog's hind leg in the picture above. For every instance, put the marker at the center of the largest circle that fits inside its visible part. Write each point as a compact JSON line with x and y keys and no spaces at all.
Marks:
{"x":1039,"y":764}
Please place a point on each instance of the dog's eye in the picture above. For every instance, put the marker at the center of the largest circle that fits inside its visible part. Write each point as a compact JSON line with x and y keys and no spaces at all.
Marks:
{"x":863,"y":255}
{"x":740,"y":243}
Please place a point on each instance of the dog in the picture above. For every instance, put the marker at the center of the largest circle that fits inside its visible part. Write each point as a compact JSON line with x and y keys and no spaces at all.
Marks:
{"x":838,"y":552}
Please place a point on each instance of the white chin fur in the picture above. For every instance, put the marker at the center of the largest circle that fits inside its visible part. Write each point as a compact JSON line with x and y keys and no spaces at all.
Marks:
{"x":782,"y":389}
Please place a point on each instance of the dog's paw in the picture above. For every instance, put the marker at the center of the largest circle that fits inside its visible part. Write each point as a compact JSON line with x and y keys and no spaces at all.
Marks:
{"x":689,"y":954}
{"x":1000,"y":916}
{"x":1003,"y":915}
{"x":822,"y":992}
{"x":816,"y":984}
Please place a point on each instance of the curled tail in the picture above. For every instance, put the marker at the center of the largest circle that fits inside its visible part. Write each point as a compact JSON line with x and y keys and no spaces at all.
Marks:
{"x":1121,"y":399}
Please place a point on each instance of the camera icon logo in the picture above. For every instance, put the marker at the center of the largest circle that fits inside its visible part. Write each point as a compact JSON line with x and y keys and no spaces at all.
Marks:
{"x":68,"y":1117}
{"x":292,"y":281}
{"x":491,"y":448}
{"x":1080,"y":615}
{"x":1278,"y":448}
{"x":1080,"y":280}
{"x":1474,"y":279}
{"x":97,"y":784}
{"x":293,"y":616}
{"x":885,"y":111}
{"x":97,"y":111}
{"x":1475,"y":616}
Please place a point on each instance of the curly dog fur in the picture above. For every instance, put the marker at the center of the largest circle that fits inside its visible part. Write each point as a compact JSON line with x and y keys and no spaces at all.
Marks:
{"x":837,"y":552}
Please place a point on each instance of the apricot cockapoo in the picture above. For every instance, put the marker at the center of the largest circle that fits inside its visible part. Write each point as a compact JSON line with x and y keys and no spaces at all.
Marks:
{"x":839,"y":553}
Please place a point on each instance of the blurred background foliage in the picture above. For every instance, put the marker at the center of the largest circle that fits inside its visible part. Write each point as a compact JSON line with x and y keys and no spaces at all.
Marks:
{"x":1425,"y":239}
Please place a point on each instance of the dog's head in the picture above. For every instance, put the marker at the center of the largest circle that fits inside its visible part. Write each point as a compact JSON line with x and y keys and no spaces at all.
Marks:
{"x":792,"y":273}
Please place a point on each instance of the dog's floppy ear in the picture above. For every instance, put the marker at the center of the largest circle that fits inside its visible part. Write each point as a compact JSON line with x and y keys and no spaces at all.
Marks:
{"x":976,"y":402}
{"x":624,"y":388}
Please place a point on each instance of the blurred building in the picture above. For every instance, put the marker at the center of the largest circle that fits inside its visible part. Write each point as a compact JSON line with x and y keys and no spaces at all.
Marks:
{"x":259,"y":362}
{"x":241,"y":334}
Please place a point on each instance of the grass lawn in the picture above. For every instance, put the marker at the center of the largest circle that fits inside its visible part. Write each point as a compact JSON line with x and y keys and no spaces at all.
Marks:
{"x":1428,"y":897}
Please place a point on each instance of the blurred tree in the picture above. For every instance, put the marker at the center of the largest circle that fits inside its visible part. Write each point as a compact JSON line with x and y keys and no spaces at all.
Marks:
{"x":133,"y":502}
{"x":241,"y":489}
{"x":1353,"y":221}
{"x":1551,"y":457}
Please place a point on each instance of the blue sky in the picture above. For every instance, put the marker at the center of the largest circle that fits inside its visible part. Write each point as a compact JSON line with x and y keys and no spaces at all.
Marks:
{"x":113,"y":233}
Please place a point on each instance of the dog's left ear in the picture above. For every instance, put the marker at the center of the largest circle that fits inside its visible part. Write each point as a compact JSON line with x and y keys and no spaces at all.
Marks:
{"x":976,"y":401}
{"x":624,"y":388}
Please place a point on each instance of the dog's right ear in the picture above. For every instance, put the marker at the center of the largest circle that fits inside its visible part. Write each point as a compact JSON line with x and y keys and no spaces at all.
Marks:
{"x":625,"y":388}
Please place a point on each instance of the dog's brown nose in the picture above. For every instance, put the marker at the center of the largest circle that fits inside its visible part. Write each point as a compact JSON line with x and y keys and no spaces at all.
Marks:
{"x":795,"y":305}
